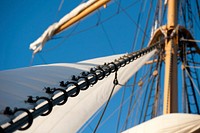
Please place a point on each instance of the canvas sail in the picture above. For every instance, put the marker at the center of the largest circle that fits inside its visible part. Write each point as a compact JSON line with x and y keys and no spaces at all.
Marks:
{"x":170,"y":123}
{"x":17,"y":84}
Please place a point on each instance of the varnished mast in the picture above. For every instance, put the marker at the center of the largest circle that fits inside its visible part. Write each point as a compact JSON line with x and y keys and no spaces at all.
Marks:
{"x":170,"y":86}
{"x":82,"y":14}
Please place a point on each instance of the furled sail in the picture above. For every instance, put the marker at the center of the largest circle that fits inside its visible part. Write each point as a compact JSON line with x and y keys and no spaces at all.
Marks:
{"x":170,"y":123}
{"x":17,"y":84}
{"x":37,"y":45}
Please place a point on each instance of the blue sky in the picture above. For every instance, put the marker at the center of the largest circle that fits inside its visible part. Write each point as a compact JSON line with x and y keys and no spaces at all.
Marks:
{"x":25,"y":20}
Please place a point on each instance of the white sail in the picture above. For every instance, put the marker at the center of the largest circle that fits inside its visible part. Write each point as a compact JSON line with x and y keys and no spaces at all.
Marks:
{"x":170,"y":123}
{"x":19,"y":83}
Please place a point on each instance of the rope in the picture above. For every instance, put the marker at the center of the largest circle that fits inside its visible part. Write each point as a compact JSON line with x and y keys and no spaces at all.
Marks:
{"x":132,"y":20}
{"x":189,"y":40}
{"x":115,"y":82}
{"x":192,"y":81}
{"x":138,"y":97}
{"x":197,"y":67}
{"x":120,"y":111}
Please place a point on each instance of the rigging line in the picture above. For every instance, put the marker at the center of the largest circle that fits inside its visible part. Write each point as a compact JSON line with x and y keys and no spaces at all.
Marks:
{"x":189,"y":40}
{"x":139,"y":109}
{"x":132,"y":20}
{"x":198,"y":9}
{"x":145,"y":95}
{"x":192,"y":80}
{"x":115,"y":82}
{"x":144,"y":77}
{"x":157,"y":86}
{"x":103,"y":21}
{"x":42,"y":58}
{"x":136,"y":34}
{"x":118,"y":8}
{"x":120,"y":111}
{"x":184,"y":97}
{"x":160,"y":94}
{"x":183,"y":13}
{"x":107,"y":37}
{"x":90,"y":120}
{"x":135,"y":77}
{"x":156,"y":14}
{"x":197,"y":76}
{"x":146,"y":25}
{"x":131,"y":100}
{"x":149,"y":96}
{"x":164,"y":12}
{"x":185,"y":100}
{"x":194,"y":17}
{"x":192,"y":94}
{"x":103,"y":29}
{"x":194,"y":62}
{"x":197,"y":67}
{"x":118,"y":108}
{"x":135,"y":102}
{"x":190,"y":20}
{"x":59,"y":8}
{"x":64,"y":38}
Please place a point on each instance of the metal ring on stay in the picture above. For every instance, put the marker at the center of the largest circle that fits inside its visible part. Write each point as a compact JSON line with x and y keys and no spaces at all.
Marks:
{"x":99,"y":69}
{"x":86,"y":81}
{"x":93,"y":74}
{"x":65,"y":95}
{"x":106,"y":68}
{"x":77,"y":88}
{"x":115,"y":67}
{"x":30,"y":118}
{"x":49,"y":103}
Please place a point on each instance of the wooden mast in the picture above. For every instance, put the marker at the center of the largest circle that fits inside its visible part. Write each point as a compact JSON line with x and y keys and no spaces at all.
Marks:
{"x":82,"y":14}
{"x":170,"y":86}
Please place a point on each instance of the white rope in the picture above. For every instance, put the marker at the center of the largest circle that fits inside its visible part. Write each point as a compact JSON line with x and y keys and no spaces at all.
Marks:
{"x":198,"y":67}
{"x":189,"y":40}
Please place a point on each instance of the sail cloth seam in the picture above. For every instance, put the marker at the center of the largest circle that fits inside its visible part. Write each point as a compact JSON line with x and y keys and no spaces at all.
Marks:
{"x":95,"y":74}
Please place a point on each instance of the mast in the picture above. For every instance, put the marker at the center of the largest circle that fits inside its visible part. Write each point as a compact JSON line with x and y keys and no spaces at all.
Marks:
{"x":171,"y":45}
{"x":81,"y":15}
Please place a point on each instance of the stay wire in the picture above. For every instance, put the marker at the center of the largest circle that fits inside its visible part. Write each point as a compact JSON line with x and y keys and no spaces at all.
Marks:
{"x":115,"y":82}
{"x":146,"y":26}
{"x":131,"y":19}
{"x":120,"y":106}
{"x":108,"y":38}
{"x":136,"y":34}
{"x":120,"y":111}
{"x":138,"y":97}
{"x":145,"y":95}
{"x":198,"y":8}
